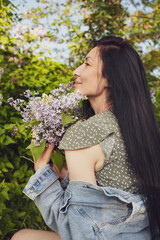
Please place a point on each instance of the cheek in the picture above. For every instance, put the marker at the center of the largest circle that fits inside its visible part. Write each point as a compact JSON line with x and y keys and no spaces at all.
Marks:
{"x":83,"y":76}
{"x":89,"y":76}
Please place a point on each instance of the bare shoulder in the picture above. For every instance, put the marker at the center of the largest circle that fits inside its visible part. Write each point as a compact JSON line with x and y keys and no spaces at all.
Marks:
{"x":82,"y":163}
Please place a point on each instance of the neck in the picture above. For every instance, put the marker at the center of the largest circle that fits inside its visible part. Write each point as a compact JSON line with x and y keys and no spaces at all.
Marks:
{"x":99,"y":104}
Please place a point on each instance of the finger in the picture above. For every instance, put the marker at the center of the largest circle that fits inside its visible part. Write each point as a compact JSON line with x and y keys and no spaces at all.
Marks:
{"x":51,"y":147}
{"x":55,"y":169}
{"x":47,"y":152}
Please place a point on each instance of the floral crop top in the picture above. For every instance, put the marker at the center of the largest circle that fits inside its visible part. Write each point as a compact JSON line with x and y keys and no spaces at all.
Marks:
{"x":103,"y":129}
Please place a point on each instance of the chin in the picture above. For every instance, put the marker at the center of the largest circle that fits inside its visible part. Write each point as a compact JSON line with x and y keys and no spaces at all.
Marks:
{"x":76,"y":89}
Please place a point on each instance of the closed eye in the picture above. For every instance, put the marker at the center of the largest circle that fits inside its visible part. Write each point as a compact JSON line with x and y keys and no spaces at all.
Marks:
{"x":87,"y":64}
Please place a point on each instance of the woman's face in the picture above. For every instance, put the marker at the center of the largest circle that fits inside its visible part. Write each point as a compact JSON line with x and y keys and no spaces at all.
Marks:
{"x":89,"y":80}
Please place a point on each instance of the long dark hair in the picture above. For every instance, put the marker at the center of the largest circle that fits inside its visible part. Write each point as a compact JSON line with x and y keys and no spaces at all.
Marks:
{"x":123,"y":69}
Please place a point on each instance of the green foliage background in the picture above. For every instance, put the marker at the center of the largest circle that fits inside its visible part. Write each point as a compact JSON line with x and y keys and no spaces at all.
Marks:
{"x":25,"y":69}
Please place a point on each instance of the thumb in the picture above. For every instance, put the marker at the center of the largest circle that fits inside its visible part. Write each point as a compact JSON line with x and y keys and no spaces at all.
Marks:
{"x":47,"y":152}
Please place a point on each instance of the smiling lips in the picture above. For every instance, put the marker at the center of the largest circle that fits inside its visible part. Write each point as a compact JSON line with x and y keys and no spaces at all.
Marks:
{"x":76,"y":83}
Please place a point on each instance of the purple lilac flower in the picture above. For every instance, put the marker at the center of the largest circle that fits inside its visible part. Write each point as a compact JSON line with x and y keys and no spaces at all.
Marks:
{"x":27,"y":93}
{"x":43,"y":115}
{"x":15,"y":131}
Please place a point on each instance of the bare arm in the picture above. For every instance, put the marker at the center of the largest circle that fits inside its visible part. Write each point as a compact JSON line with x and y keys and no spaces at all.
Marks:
{"x":83,"y":163}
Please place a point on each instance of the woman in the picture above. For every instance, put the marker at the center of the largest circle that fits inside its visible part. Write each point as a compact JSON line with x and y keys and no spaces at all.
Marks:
{"x":112,"y":157}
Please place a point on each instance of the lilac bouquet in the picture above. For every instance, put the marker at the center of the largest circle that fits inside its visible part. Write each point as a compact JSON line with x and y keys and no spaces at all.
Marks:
{"x":48,"y":116}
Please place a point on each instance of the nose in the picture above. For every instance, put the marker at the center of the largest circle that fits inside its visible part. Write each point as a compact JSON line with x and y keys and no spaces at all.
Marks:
{"x":77,"y":71}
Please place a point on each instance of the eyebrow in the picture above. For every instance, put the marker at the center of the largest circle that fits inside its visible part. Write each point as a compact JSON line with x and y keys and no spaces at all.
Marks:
{"x":89,"y":58}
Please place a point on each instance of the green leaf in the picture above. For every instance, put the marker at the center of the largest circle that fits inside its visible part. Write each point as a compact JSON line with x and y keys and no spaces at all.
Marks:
{"x":4,"y":40}
{"x":5,"y":194}
{"x":1,"y":58}
{"x":9,"y":165}
{"x":2,"y":131}
{"x":21,"y":214}
{"x":32,"y":37}
{"x":66,"y":119}
{"x":9,"y":126}
{"x":2,"y":138}
{"x":8,"y":140}
{"x":37,"y":150}
{"x":4,"y":113}
{"x":58,"y":159}
{"x":22,"y":130}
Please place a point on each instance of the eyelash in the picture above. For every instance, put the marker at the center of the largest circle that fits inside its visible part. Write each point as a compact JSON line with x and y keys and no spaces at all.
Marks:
{"x":87,"y":64}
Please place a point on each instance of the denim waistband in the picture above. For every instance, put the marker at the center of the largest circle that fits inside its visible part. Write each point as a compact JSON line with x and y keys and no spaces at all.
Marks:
{"x":84,"y":193}
{"x":78,"y":187}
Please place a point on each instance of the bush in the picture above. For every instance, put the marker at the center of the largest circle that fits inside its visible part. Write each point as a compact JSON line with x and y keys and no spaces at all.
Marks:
{"x":20,"y":70}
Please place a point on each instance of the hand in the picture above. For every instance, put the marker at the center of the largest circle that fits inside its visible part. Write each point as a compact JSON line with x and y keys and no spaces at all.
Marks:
{"x":61,"y":173}
{"x":44,"y":158}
